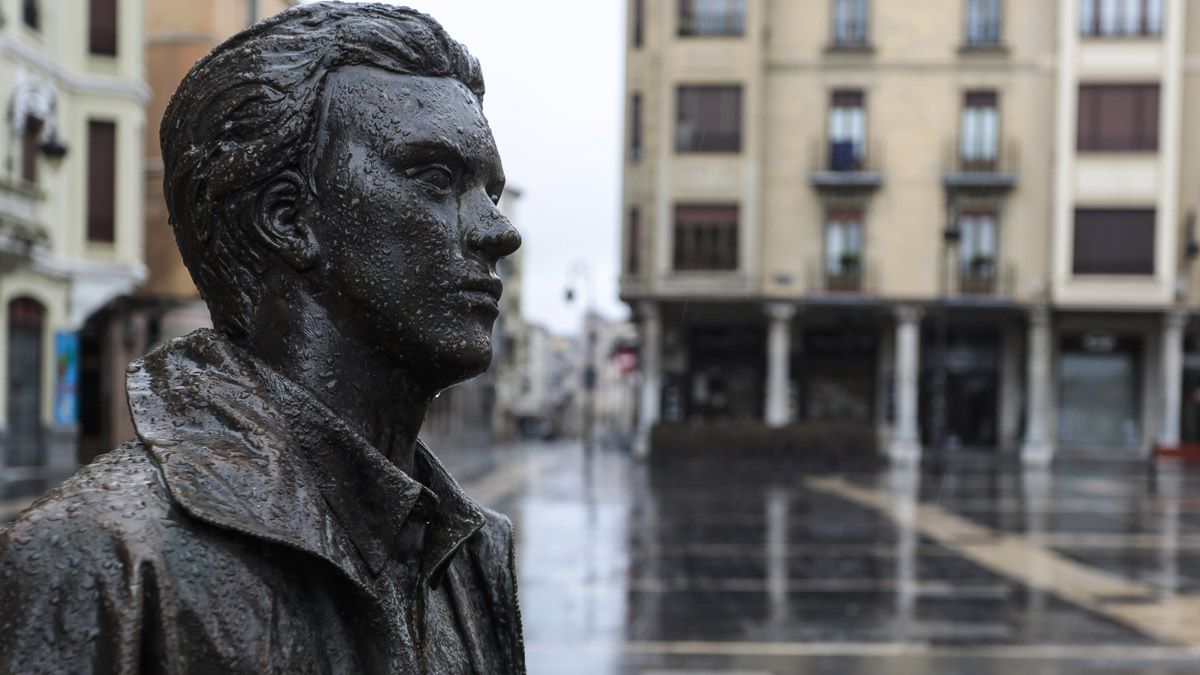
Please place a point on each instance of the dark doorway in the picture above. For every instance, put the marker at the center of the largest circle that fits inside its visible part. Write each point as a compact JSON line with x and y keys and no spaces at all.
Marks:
{"x":970,"y":359}
{"x":26,"y":319}
{"x":725,"y":373}
{"x":837,"y":371}
{"x":1099,"y":381}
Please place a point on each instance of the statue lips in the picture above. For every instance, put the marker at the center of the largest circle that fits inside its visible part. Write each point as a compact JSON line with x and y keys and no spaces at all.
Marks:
{"x":483,"y":292}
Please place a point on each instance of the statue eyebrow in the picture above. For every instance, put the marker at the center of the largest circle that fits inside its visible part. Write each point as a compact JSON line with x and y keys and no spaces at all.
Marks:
{"x":438,"y":148}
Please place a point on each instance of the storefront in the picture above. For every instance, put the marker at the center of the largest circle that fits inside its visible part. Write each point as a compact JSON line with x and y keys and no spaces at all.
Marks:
{"x":960,"y":385}
{"x":1100,"y":380}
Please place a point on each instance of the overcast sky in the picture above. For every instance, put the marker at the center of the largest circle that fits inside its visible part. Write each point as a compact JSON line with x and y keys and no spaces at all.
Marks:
{"x":554,"y":73}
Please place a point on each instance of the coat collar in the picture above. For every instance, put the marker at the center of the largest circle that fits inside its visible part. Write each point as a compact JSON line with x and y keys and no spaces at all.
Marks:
{"x":242,"y":447}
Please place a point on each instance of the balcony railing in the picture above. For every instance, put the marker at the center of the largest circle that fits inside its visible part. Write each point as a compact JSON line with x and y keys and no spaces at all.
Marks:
{"x":984,"y":277}
{"x":848,"y":277}
{"x":21,"y":229}
{"x":846,"y":164}
{"x":995,"y":171}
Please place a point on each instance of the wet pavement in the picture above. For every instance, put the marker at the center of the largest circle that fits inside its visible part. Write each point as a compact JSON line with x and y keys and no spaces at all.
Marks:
{"x":720,"y":563}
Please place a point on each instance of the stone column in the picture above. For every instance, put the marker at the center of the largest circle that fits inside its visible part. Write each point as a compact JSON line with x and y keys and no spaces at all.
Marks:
{"x":1172,"y":377}
{"x":1038,"y":449}
{"x":779,"y":348}
{"x":906,"y":439}
{"x":650,"y":398}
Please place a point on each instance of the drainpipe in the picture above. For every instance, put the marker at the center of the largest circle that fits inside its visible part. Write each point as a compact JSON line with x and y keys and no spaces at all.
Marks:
{"x":251,"y":12}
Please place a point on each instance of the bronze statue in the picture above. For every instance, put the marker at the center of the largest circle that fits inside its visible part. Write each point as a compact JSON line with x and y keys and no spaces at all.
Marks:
{"x":332,"y":183}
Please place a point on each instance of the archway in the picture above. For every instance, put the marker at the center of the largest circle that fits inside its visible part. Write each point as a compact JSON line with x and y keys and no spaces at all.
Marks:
{"x":26,"y":323}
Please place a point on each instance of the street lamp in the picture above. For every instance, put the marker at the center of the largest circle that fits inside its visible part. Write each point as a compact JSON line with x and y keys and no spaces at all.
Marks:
{"x":577,"y":271}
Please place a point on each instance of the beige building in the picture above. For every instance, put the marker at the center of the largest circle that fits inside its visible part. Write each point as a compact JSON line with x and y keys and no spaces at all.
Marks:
{"x":166,"y":305}
{"x":71,"y":72}
{"x":963,"y":223}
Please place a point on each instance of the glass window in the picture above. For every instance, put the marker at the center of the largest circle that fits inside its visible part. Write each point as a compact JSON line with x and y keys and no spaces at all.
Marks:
{"x":1120,"y":18}
{"x":712,"y":17}
{"x":843,"y":243}
{"x":635,"y":127}
{"x":633,"y":244}
{"x":850,"y":22}
{"x":1114,"y":241}
{"x":706,"y":237}
{"x":31,"y":14}
{"x":983,"y":22}
{"x":847,"y":131}
{"x":709,"y":119}
{"x":102,"y":27}
{"x":980,"y":130}
{"x":31,"y":139}
{"x":977,"y":243}
{"x":639,"y":22}
{"x":1118,"y":118}
{"x":101,"y":181}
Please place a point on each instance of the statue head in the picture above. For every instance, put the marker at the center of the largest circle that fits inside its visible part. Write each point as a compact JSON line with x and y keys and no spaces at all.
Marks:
{"x":341,"y":149}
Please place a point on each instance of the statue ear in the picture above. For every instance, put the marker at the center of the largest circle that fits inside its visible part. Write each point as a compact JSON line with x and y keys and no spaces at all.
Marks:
{"x":279,"y":223}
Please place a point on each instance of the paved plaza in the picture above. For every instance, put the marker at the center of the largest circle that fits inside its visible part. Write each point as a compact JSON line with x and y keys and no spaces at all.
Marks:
{"x":751,"y":565}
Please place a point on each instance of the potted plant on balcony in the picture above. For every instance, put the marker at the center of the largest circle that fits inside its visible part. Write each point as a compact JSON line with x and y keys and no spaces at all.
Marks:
{"x":982,"y":264}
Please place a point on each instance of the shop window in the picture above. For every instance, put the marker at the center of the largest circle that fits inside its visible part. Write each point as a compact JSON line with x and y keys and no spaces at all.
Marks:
{"x":1114,"y":241}
{"x":1118,"y":117}
{"x":706,"y":238}
{"x":709,"y":119}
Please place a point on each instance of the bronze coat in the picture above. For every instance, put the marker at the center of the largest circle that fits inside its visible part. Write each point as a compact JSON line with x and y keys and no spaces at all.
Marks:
{"x":249,"y":530}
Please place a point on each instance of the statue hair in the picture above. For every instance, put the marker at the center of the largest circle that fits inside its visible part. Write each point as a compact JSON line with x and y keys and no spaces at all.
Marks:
{"x":248,"y":112}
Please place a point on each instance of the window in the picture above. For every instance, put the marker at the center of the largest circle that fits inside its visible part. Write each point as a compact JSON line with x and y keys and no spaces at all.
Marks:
{"x":706,"y":237}
{"x":850,"y":22}
{"x":635,"y":127}
{"x":977,"y":244}
{"x":633,"y":242}
{"x":983,"y":22}
{"x":843,"y":243}
{"x":1114,"y":241}
{"x":710,"y":119}
{"x":1118,"y":118}
{"x":847,"y":131}
{"x":30,"y":141}
{"x":31,"y":14}
{"x":712,"y":17}
{"x":102,"y":27}
{"x":980,"y":130}
{"x":1120,"y":18}
{"x":639,"y":22}
{"x":102,"y":169}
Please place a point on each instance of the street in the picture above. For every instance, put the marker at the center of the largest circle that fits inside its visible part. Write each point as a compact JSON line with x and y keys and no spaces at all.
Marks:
{"x":723,"y":563}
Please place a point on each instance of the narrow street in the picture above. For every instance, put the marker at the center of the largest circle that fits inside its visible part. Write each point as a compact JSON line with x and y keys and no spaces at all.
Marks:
{"x":737,"y":564}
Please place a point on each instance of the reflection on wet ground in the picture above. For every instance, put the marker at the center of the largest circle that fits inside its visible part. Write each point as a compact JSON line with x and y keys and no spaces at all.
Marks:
{"x":734,"y":564}
{"x":728,"y":564}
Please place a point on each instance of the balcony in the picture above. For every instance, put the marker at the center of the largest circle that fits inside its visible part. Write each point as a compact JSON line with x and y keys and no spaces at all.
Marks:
{"x":21,"y":231}
{"x":851,"y":280}
{"x":846,"y":165}
{"x":983,"y":279}
{"x":997,"y":173}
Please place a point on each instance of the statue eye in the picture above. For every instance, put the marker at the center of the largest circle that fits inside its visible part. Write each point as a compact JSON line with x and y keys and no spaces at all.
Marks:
{"x":436,"y":176}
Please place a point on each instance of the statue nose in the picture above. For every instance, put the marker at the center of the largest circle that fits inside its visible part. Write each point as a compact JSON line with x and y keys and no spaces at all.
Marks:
{"x":495,"y":235}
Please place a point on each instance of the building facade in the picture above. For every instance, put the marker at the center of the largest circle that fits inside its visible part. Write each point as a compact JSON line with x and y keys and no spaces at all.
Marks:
{"x":966,"y":224}
{"x":70,"y":206}
{"x":166,"y":304}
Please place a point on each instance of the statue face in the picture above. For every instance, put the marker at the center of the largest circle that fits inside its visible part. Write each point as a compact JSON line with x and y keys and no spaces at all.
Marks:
{"x":407,"y":177}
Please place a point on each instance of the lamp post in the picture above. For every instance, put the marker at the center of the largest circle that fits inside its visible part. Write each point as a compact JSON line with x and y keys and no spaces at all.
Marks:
{"x":580,"y":270}
{"x":950,"y":237}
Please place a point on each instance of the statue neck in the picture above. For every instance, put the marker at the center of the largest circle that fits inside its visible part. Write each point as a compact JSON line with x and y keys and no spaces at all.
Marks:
{"x":296,"y":336}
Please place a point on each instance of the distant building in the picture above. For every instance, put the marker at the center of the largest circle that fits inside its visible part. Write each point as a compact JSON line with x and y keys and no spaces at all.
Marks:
{"x":549,"y":386}
{"x":70,"y":207}
{"x":962,"y":223}
{"x":167,"y":305}
{"x":510,"y":340}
